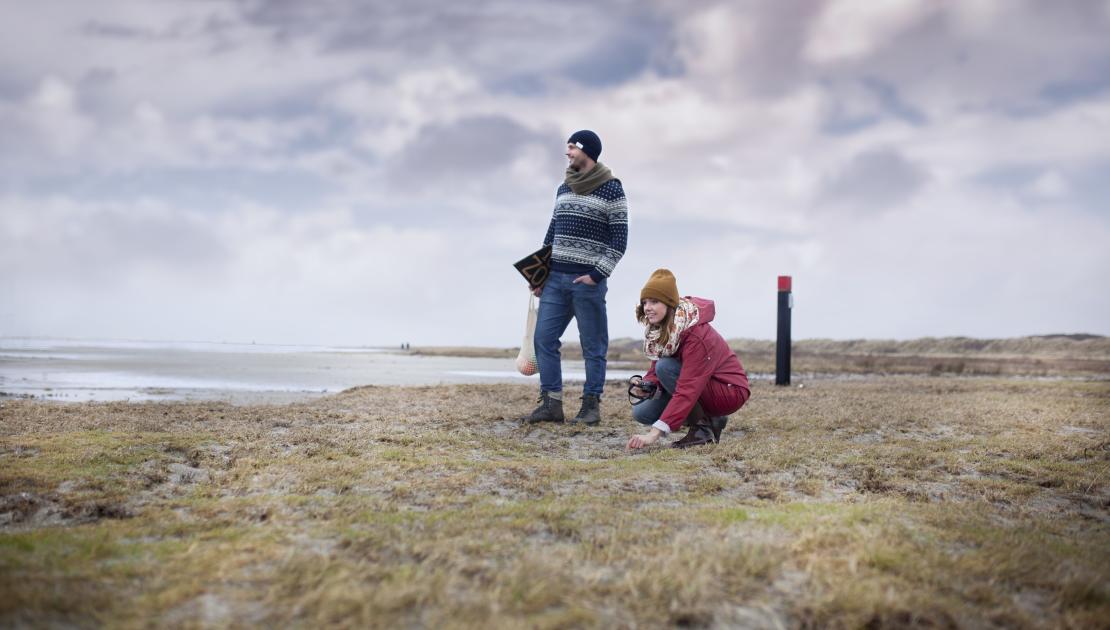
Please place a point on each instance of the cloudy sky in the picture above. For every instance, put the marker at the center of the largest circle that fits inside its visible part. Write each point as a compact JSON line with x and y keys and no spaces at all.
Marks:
{"x":365,"y":172}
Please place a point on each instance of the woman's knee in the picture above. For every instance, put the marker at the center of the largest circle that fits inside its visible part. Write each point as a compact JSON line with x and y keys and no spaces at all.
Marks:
{"x":644,"y":414}
{"x":668,"y":369}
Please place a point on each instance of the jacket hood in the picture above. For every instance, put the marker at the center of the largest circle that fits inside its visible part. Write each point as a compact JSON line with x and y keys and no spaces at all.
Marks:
{"x":706,"y":309}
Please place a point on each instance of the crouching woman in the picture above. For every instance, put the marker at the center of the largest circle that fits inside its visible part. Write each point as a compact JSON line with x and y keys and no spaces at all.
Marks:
{"x":695,"y":379}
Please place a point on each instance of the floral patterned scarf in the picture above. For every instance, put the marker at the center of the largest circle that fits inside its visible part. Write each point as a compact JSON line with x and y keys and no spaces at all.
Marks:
{"x":685,"y":316}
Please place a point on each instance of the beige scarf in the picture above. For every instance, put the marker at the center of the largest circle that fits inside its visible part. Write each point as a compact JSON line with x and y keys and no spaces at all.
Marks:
{"x":586,"y":183}
{"x":685,"y":316}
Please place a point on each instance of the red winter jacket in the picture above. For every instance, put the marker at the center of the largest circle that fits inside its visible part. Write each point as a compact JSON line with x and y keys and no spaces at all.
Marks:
{"x":710,"y":371}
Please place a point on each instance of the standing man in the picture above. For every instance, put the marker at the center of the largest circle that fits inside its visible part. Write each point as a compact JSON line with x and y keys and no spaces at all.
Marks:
{"x":588,"y":234}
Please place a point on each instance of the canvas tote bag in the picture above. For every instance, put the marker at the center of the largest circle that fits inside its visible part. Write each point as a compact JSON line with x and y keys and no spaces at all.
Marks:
{"x":526,"y":359}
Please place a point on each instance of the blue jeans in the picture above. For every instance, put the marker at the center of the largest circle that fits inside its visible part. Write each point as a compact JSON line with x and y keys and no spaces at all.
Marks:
{"x":560,"y":301}
{"x":667,"y":370}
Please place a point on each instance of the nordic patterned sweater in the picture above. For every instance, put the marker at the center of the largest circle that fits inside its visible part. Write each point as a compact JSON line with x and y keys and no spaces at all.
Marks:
{"x":588,"y":233}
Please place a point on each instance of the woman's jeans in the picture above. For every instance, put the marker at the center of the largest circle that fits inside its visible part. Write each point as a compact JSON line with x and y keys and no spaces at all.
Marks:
{"x":717,"y":399}
{"x":667,"y":370}
{"x":560,"y":301}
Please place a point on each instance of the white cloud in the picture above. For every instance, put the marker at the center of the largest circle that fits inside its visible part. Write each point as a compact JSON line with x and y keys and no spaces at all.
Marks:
{"x":971,"y":142}
{"x":1050,"y":185}
{"x":53,"y":112}
{"x":713,"y":42}
{"x":979,"y":57}
{"x":976,"y":17}
{"x":392,"y":113}
{"x":850,"y":29}
{"x":184,"y":57}
{"x":60,"y":135}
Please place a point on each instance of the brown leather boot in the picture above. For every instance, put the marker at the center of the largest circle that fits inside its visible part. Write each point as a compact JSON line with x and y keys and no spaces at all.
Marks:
{"x":699,"y":435}
{"x":718,"y":423}
{"x":701,"y":429}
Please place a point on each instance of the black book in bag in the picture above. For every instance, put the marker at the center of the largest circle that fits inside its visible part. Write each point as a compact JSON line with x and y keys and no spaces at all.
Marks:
{"x":535,"y":267}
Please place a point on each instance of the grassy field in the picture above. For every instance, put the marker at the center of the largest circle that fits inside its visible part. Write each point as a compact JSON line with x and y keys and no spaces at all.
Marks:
{"x":881,"y":502}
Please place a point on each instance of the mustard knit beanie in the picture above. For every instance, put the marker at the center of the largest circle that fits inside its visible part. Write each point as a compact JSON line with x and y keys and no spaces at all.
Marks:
{"x":661,"y":286}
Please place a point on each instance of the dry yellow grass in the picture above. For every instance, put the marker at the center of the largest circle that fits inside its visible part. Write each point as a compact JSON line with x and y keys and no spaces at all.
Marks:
{"x":883,"y":503}
{"x":1055,"y":355}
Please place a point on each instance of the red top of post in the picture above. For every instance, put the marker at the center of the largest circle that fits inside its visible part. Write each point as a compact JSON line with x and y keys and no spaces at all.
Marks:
{"x":784,"y":283}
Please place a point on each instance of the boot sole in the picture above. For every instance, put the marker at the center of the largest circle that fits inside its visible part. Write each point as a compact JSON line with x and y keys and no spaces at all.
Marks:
{"x":551,"y":420}
{"x":712,"y":438}
{"x":692,"y":444}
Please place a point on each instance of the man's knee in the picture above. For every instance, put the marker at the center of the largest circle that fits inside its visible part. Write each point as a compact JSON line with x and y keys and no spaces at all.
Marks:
{"x":546,"y":339}
{"x":548,"y":333}
{"x":594,"y":348}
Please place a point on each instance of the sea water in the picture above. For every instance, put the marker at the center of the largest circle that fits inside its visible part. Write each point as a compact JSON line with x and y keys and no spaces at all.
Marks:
{"x":81,"y":370}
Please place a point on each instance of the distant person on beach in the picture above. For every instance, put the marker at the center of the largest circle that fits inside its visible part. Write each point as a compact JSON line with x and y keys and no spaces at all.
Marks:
{"x":588,"y":234}
{"x":695,"y":379}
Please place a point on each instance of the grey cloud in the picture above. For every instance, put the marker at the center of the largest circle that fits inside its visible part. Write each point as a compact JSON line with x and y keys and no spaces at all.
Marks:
{"x":466,"y":148}
{"x":774,"y":64}
{"x":1009,"y":177}
{"x":1039,"y":54}
{"x":98,"y":76}
{"x":589,"y":42}
{"x":208,"y":190}
{"x":875,"y":180}
{"x":888,"y":105}
{"x":1090,"y":81}
{"x":417,"y":27}
{"x":174,"y":28}
{"x":1089,"y":187}
{"x":638,"y":44}
{"x":1010,"y":64}
{"x":110,"y":30}
{"x":520,"y":84}
{"x":462,"y":171}
{"x":12,"y":88}
{"x":1033,"y":57}
{"x":893,"y":104}
{"x":839,"y":123}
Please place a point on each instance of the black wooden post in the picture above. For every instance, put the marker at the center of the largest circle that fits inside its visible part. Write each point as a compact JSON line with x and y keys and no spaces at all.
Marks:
{"x":782,"y":344}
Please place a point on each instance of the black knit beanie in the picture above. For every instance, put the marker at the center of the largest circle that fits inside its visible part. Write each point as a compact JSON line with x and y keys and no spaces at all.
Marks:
{"x":587,"y":141}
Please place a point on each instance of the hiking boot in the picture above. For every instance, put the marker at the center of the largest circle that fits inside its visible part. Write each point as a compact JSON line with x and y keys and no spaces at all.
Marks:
{"x":717,"y":424}
{"x":550,"y":410}
{"x":699,"y":435}
{"x":701,"y":429}
{"x":590,"y":413}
